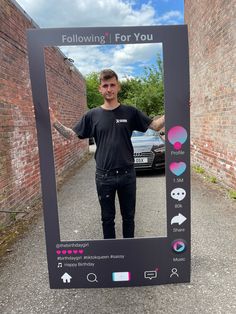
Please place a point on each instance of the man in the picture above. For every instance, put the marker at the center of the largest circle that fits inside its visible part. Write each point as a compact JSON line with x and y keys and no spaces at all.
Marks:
{"x":111,"y":125}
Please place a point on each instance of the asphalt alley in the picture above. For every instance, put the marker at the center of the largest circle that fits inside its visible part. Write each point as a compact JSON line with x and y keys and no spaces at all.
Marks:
{"x":24,"y":284}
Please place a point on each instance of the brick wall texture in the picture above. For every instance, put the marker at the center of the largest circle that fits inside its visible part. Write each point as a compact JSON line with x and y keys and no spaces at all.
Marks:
{"x":19,"y":161}
{"x":212,"y":43}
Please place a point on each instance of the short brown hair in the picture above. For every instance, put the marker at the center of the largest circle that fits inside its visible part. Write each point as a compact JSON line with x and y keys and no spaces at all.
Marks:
{"x":107,"y":74}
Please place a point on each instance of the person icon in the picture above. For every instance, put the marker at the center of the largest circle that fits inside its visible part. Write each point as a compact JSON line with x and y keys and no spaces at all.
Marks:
{"x":174,"y":272}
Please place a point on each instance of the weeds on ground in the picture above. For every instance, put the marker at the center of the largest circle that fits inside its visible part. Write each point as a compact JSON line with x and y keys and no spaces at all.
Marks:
{"x":198,"y":169}
{"x":212,"y":179}
{"x":13,"y":216}
{"x":232,"y":194}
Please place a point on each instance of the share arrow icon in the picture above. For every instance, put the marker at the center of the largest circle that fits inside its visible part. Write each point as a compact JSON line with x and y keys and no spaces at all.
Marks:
{"x":178,"y":219}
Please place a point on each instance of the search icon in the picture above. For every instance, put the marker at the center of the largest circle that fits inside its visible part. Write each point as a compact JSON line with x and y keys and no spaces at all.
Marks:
{"x":91,"y":277}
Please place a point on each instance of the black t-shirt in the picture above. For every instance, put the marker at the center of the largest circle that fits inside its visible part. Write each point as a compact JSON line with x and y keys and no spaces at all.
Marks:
{"x":112,"y":130}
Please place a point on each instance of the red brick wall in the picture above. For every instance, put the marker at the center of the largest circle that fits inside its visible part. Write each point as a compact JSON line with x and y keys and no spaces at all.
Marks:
{"x":211,"y":26}
{"x":19,"y":161}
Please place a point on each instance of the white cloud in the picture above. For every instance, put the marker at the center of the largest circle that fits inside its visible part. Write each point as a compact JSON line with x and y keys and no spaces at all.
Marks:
{"x":122,"y":59}
{"x":64,"y":13}
{"x":171,"y":17}
{"x":85,"y":13}
{"x":136,"y":53}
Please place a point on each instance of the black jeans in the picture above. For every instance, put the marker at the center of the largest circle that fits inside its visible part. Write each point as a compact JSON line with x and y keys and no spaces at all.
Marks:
{"x":122,"y":181}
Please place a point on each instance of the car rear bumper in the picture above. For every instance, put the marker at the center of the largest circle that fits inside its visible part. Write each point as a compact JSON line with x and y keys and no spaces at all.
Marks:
{"x":150,"y":160}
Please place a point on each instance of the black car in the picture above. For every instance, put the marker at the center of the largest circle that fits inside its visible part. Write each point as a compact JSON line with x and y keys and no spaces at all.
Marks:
{"x":149,"y":150}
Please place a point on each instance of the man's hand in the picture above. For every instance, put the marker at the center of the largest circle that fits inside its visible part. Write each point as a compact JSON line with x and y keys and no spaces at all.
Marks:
{"x":52,"y":116}
{"x":157,"y":124}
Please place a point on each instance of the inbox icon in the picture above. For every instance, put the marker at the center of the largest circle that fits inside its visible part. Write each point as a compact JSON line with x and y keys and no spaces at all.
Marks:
{"x":150,"y":274}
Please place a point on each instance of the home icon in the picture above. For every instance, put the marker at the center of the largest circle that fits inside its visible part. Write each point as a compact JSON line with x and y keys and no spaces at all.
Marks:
{"x":66,"y":278}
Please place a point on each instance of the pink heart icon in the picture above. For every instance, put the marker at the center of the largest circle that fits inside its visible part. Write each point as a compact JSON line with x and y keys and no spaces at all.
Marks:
{"x":177,"y":168}
{"x":81,"y":251}
{"x":58,"y":252}
{"x":69,"y":251}
{"x":75,"y":251}
{"x":64,"y":252}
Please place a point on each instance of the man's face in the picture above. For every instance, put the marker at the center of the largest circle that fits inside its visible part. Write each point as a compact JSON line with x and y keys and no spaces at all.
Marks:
{"x":109,"y":88}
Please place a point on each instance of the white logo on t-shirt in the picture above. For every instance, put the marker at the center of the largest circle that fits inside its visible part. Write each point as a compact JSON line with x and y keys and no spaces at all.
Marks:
{"x":121,"y":120}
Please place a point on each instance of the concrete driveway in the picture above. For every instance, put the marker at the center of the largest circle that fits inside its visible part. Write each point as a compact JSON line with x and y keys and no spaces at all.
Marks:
{"x":23,"y":272}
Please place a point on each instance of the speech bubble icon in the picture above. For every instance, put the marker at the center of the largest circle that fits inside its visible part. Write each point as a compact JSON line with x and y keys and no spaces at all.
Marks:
{"x":178,"y":194}
{"x":150,"y":274}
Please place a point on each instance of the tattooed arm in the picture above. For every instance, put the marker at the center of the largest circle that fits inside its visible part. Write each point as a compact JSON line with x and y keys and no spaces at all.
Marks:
{"x":63,"y":130}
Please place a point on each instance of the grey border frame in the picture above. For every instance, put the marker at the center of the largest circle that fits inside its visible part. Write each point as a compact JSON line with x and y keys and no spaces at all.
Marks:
{"x":141,"y":254}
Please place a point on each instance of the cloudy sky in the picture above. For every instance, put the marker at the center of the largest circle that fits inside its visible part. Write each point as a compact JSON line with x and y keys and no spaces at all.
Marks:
{"x":127,"y":60}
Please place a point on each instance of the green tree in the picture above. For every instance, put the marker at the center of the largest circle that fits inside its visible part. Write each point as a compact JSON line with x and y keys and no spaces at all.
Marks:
{"x":152,"y":95}
{"x":147,"y":92}
{"x":94,"y":98}
{"x":129,"y":91}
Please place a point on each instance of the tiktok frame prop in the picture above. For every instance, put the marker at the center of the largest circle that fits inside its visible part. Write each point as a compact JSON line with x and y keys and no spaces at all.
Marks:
{"x":145,"y":261}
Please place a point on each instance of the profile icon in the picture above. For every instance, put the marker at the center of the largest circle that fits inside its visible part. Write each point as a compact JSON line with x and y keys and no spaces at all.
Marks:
{"x":177,"y":136}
